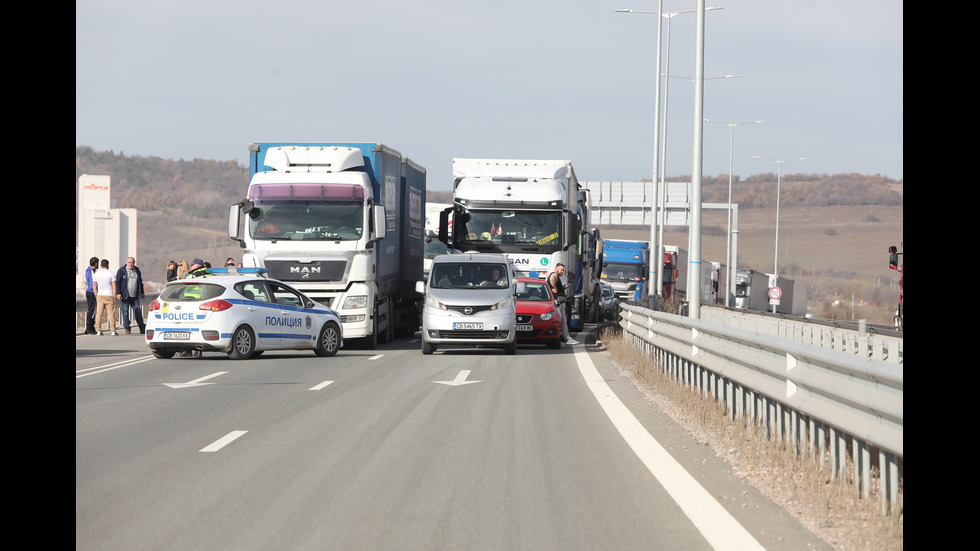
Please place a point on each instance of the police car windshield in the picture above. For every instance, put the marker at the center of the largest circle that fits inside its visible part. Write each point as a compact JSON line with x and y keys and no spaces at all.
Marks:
{"x":192,"y":291}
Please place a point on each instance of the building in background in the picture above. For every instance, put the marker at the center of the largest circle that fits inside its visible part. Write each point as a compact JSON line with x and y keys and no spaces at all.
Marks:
{"x":102,"y":231}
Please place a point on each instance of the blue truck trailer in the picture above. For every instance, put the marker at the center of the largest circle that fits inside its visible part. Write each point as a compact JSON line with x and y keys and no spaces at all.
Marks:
{"x":342,"y":222}
{"x":625,"y":265}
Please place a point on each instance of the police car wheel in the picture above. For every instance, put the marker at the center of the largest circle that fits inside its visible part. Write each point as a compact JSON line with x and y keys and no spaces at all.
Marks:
{"x":242,"y":343}
{"x":329,"y":342}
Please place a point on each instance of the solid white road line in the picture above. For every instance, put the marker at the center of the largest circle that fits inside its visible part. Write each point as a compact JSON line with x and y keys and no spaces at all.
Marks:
{"x":719,"y":527}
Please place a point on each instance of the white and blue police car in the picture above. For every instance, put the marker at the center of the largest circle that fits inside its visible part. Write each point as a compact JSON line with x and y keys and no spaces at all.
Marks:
{"x":240,"y":312}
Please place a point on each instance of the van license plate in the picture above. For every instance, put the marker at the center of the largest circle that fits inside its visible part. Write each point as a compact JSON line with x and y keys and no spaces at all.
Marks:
{"x":177,"y":336}
{"x":465,"y":326}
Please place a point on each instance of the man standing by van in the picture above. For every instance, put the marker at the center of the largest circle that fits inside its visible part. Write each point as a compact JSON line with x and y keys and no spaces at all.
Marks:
{"x":558,"y":289}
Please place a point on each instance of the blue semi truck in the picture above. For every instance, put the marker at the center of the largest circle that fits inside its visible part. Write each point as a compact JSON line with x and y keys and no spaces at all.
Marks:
{"x":625,"y":265}
{"x":342,"y":222}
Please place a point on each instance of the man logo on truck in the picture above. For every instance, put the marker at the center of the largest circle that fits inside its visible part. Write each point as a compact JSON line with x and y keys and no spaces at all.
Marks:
{"x":304,"y":271}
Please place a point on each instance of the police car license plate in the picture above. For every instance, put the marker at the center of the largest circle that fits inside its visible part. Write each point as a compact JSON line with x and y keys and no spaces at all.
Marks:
{"x":525,"y":328}
{"x":464,"y":325}
{"x":177,"y":336}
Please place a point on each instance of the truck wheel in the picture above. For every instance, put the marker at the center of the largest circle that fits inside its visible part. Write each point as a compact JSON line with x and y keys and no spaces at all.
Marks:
{"x":329,"y":342}
{"x":428,"y":348}
{"x":242,"y":343}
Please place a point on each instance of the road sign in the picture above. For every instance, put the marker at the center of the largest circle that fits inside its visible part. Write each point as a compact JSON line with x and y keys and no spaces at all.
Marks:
{"x":775,"y":293}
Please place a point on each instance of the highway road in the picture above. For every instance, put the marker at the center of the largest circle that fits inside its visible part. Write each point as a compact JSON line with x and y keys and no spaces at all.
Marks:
{"x":389,"y":449}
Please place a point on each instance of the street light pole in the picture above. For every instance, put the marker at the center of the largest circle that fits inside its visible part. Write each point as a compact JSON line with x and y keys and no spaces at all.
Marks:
{"x":654,"y":283}
{"x":729,"y":260}
{"x":779,"y":176}
{"x":694,"y":236}
{"x":652,"y":275}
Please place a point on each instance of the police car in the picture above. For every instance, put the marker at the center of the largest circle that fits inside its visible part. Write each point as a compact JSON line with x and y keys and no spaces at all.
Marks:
{"x":240,"y":312}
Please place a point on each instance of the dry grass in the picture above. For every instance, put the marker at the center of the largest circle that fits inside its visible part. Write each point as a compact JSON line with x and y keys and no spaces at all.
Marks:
{"x":829,"y":508}
{"x":839,"y":253}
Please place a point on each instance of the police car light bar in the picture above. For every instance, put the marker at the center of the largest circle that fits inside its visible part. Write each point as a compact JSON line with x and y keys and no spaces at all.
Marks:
{"x":229,"y":271}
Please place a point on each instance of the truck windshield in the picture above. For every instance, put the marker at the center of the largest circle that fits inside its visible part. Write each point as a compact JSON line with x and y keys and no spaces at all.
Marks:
{"x":504,"y":227}
{"x":623,"y":272}
{"x":309,"y":221}
{"x":434,"y":247}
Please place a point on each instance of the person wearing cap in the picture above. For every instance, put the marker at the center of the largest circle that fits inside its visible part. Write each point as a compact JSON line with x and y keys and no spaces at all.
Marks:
{"x":198,"y":269}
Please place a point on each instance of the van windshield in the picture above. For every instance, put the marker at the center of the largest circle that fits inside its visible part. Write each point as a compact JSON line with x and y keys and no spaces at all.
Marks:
{"x":466,"y":275}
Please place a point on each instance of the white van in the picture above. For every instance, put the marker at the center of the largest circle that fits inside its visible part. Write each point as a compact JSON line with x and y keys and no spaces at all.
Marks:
{"x":470,"y":300}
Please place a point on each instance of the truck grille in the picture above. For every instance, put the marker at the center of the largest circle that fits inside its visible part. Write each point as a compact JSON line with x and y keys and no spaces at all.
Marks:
{"x":316,"y":270}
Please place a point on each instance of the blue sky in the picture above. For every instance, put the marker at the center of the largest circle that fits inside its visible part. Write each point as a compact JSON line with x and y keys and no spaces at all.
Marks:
{"x":539,"y":79}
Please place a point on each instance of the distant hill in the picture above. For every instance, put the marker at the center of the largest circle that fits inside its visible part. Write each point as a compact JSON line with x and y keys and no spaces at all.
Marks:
{"x":183,"y":205}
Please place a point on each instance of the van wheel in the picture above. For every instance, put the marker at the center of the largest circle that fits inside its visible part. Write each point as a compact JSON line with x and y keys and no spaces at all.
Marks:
{"x":428,"y":348}
{"x":510,"y":348}
{"x":242,"y":343}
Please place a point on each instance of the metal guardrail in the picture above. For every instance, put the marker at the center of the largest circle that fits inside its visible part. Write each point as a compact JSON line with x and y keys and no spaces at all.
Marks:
{"x":813,"y":398}
{"x":81,"y":307}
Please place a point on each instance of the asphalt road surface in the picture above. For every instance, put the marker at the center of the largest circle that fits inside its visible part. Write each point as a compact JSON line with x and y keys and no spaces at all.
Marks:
{"x":387,"y":449}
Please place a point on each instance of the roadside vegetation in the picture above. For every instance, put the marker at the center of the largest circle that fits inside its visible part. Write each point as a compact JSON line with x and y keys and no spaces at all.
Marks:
{"x":829,"y":508}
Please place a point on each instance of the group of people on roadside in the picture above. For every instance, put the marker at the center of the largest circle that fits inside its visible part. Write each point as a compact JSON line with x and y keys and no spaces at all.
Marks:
{"x":104,"y":287}
{"x":181,"y":269}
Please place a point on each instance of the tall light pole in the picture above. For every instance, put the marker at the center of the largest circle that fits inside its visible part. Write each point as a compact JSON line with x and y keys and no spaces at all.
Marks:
{"x":694,"y":235}
{"x":663,"y":164}
{"x":652,"y":276}
{"x":655,"y":284}
{"x":729,"y":261}
{"x":779,"y":173}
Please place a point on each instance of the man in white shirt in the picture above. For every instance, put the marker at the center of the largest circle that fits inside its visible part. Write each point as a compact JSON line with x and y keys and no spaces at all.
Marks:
{"x":104,"y":285}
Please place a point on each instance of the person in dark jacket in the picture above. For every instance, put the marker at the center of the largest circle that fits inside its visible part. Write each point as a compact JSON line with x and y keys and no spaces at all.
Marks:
{"x":171,"y":271}
{"x":129,"y":291}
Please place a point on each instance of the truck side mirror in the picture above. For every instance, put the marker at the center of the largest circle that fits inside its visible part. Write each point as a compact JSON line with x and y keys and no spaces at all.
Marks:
{"x":379,"y":221}
{"x":893,"y":257}
{"x":235,"y":223}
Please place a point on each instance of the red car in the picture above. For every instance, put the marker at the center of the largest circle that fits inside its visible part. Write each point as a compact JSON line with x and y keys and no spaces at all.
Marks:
{"x":538,"y":317}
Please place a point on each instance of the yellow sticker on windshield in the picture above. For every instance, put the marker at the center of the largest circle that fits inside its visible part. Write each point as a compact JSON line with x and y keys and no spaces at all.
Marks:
{"x":545,"y":239}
